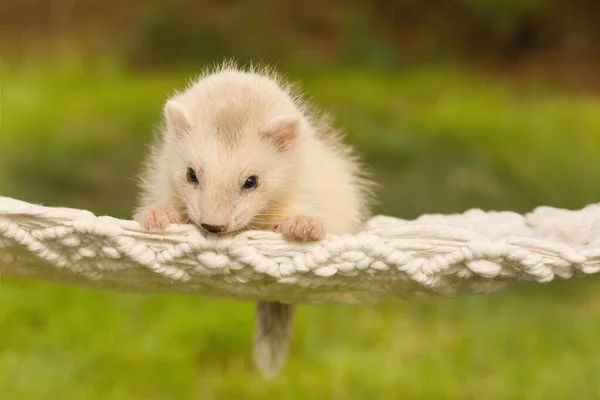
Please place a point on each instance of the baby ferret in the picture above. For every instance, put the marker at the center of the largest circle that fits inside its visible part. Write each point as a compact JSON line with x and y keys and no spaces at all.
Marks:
{"x":242,"y":150}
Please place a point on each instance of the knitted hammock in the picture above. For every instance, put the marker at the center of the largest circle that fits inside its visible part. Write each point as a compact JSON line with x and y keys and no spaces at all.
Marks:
{"x":473,"y":252}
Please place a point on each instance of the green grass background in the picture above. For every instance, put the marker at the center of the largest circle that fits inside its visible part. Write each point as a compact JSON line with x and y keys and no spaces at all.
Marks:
{"x":73,"y":134}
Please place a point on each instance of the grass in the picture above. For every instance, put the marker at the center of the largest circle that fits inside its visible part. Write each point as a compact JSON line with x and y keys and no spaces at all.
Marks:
{"x":438,"y":141}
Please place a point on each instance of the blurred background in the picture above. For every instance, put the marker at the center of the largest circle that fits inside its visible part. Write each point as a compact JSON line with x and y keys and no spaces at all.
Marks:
{"x":454,"y":103}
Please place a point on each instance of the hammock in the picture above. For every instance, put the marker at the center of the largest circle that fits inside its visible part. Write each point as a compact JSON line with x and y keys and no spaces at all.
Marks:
{"x":472,"y":252}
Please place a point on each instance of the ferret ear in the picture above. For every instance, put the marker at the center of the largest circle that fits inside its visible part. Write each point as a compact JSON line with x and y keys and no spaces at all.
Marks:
{"x":177,"y":117}
{"x":282,"y":132}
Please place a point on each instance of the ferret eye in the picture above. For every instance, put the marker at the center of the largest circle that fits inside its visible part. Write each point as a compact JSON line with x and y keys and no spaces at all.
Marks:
{"x":250,"y":183}
{"x":191,"y":176}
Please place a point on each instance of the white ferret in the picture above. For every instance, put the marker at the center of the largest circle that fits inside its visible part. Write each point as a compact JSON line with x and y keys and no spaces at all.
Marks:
{"x":241,"y":150}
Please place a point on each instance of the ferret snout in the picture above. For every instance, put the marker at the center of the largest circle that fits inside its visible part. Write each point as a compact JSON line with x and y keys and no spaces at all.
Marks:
{"x":214,"y":228}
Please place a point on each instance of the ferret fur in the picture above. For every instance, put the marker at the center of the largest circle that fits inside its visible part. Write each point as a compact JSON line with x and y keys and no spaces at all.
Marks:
{"x":232,"y":123}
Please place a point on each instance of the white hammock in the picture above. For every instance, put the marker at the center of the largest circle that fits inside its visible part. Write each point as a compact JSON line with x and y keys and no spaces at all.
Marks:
{"x":474,"y":252}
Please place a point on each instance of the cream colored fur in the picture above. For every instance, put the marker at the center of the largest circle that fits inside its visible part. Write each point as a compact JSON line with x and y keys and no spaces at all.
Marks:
{"x":230,"y":124}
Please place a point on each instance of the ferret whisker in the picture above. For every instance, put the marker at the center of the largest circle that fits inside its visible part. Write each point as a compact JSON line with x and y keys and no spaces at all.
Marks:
{"x":268,"y":216}
{"x":285,"y":207}
{"x":265,"y":222}
{"x":134,"y":179}
{"x":269,"y":212}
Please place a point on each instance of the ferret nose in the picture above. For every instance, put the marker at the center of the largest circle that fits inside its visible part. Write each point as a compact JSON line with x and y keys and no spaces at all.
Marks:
{"x":214,"y":228}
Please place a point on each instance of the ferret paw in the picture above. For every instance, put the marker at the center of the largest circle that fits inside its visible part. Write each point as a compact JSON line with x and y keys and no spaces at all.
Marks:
{"x":302,"y":229}
{"x":157,"y":218}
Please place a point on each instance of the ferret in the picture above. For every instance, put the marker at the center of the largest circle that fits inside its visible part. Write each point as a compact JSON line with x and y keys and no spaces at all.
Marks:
{"x":240,"y":149}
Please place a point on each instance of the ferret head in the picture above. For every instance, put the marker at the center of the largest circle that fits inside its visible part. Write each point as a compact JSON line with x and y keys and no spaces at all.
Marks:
{"x":234,"y":141}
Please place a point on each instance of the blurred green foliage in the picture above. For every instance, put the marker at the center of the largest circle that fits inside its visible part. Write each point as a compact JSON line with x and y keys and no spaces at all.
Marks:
{"x":502,"y":16}
{"x":437,"y":139}
{"x":378,"y":34}
{"x":499,"y":11}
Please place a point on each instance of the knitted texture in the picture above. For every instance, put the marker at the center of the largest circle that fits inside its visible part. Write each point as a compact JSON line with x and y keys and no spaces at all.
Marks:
{"x":473,"y":252}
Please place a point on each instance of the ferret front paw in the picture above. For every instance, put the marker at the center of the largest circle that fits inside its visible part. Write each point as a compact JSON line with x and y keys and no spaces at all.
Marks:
{"x":157,"y":218}
{"x":302,"y":229}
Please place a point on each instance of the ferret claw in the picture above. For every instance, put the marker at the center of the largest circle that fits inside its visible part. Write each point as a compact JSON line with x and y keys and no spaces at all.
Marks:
{"x":302,"y":229}
{"x":157,"y":218}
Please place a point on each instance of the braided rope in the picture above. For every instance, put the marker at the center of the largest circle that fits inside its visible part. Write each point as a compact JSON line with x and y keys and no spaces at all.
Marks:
{"x":474,"y":252}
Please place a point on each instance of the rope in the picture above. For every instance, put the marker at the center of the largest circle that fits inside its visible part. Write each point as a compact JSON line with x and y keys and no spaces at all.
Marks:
{"x":473,"y":252}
